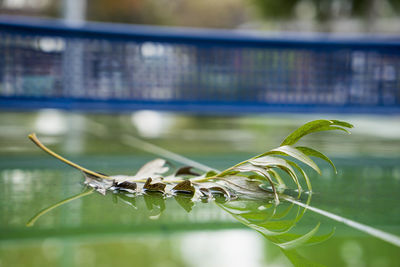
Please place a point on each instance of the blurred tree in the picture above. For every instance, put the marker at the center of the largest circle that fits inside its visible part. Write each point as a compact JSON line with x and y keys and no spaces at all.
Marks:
{"x":124,"y":11}
{"x":327,"y":10}
{"x":209,"y":13}
{"x":276,"y":15}
{"x":30,"y":7}
{"x":205,"y":13}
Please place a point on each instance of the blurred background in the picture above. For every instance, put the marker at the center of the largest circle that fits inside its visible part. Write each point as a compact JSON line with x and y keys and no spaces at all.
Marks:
{"x":100,"y":231}
{"x":287,"y":15}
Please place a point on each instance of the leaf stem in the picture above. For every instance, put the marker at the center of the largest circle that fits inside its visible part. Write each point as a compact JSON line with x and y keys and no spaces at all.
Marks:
{"x":162,"y":181}
{"x":35,"y":140}
{"x":221,"y":174}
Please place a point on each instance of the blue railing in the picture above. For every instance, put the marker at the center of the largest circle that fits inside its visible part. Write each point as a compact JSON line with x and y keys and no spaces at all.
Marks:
{"x":113,"y":67}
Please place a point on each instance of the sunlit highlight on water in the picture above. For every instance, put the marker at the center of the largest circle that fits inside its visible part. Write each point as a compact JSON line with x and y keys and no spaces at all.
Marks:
{"x":222,"y":248}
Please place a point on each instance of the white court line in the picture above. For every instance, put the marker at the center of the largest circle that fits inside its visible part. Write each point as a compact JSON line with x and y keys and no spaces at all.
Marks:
{"x":390,"y":238}
{"x":143,"y":145}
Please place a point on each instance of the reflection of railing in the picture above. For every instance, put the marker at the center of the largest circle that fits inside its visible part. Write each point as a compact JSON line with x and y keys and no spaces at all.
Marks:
{"x":119,"y":67}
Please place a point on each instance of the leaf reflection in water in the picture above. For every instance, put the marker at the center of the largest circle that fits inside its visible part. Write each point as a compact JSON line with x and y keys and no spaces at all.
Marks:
{"x":277,"y":223}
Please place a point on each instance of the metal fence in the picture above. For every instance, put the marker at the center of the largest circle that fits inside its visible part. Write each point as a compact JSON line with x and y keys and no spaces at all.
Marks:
{"x":114,"y":67}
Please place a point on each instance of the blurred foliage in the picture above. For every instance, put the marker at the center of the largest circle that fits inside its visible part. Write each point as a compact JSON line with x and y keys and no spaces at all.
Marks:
{"x":324,"y":9}
{"x":225,"y":13}
{"x":124,"y":11}
{"x":207,"y":13}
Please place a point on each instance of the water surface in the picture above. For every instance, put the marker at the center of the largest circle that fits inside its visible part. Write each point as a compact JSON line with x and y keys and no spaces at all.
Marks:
{"x":98,"y":230}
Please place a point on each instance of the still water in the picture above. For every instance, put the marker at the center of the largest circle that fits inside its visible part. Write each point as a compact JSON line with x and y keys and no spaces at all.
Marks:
{"x":97,"y":230}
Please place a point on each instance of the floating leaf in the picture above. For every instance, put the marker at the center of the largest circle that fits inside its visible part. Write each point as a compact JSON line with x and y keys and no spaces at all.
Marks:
{"x":205,"y":192}
{"x":253,"y":178}
{"x":187,"y":170}
{"x":153,"y":168}
{"x":219,"y":190}
{"x":100,"y":185}
{"x":244,"y":188}
{"x":261,"y":171}
{"x":127,"y":185}
{"x":184,"y":187}
{"x":211,"y":174}
{"x":155,"y":187}
{"x":269,"y":161}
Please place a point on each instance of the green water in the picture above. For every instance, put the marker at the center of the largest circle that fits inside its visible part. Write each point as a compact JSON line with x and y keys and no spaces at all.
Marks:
{"x":98,"y":230}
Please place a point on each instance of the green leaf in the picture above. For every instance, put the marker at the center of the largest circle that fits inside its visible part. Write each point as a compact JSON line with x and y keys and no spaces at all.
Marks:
{"x":219,"y":190}
{"x":297,"y":154}
{"x":315,"y":126}
{"x":342,"y":123}
{"x":270,"y":161}
{"x":277,"y":177}
{"x":243,"y":187}
{"x":251,"y":168}
{"x":211,"y":174}
{"x":314,"y":153}
{"x":297,"y":167}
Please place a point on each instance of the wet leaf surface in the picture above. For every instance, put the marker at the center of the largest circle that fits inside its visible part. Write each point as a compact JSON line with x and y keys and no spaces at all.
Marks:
{"x":184,"y":187}
{"x":154,"y":187}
